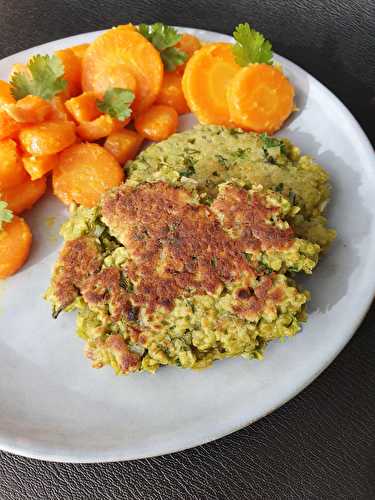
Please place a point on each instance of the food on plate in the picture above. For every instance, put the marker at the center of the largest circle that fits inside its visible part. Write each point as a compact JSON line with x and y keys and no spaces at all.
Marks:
{"x":12,"y":171}
{"x":157,"y":123}
{"x":29,"y":109}
{"x":38,"y":166}
{"x":72,"y":65}
{"x":84,"y":172}
{"x":238,"y":84}
{"x":24,"y":196}
{"x":47,"y":138}
{"x":124,"y":144}
{"x":15,"y":241}
{"x":193,"y":258}
{"x":171,"y":93}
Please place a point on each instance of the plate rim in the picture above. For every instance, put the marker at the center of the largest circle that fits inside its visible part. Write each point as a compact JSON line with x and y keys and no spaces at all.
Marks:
{"x":287,"y":395}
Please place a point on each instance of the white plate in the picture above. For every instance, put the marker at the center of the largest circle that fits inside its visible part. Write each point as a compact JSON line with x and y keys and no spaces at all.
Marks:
{"x":54,"y":406}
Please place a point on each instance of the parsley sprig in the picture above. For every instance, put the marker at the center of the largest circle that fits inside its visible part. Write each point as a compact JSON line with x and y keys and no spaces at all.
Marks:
{"x":116,"y":103}
{"x":6,"y":215}
{"x":251,"y":46}
{"x":164,"y":38}
{"x":44,"y":79}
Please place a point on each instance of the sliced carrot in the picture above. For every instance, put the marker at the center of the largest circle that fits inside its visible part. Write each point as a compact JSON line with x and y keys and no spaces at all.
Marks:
{"x":84,"y":173}
{"x":5,"y":94}
{"x":128,"y":26}
{"x":80,"y":50}
{"x":38,"y":166}
{"x":25,"y":195}
{"x":8,"y":126}
{"x":157,"y":123}
{"x":47,"y":138}
{"x":260,"y":98}
{"x":115,"y":55}
{"x":73,"y":70}
{"x":123,"y":145}
{"x":83,"y":108}
{"x":15,"y":244}
{"x":58,"y":111}
{"x":188,"y":44}
{"x":205,"y":81}
{"x":171,"y":93}
{"x":12,"y":172}
{"x":99,"y":128}
{"x":29,"y":109}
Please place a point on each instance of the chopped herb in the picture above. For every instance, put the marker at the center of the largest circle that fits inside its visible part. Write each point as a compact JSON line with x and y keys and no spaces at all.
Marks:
{"x":279,"y":187}
{"x":215,"y":174}
{"x":251,"y":46}
{"x":116,"y":103}
{"x":56,"y":311}
{"x":214,"y":262}
{"x":223,"y":161}
{"x":240,"y":153}
{"x":265,"y":268}
{"x":248,"y":256}
{"x":189,"y":164}
{"x":272,"y":142}
{"x":235,"y":132}
{"x":126,"y":284}
{"x":6,"y":215}
{"x":164,"y":38}
{"x":45,"y":78}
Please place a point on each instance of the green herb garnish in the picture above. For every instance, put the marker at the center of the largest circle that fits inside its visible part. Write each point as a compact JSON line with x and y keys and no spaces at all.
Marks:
{"x":45,"y":79}
{"x":164,"y":38}
{"x":116,"y":103}
{"x":251,"y":46}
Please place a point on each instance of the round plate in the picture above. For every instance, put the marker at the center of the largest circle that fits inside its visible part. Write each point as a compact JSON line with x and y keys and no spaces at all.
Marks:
{"x":54,"y":406}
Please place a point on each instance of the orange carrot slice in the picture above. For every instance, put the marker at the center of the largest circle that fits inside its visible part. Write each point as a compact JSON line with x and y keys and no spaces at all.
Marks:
{"x":83,"y":108}
{"x":47,"y":138}
{"x":15,"y":244}
{"x":123,"y":145}
{"x":84,"y":173}
{"x":73,"y":70}
{"x":80,"y":50}
{"x":29,"y":109}
{"x":12,"y":172}
{"x":25,"y":195}
{"x":260,"y":98}
{"x":8,"y":126}
{"x":117,"y":55}
{"x":157,"y":123}
{"x":5,"y":94}
{"x":38,"y":166}
{"x":171,"y":93}
{"x":205,"y":81}
{"x":99,"y":128}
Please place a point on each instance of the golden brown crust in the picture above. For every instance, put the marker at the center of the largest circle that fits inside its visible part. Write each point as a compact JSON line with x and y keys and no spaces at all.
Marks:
{"x":250,"y":220}
{"x":78,"y":259}
{"x":127,"y":360}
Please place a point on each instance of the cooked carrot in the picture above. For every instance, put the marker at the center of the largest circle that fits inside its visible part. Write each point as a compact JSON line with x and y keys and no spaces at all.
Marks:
{"x":260,"y":98}
{"x":99,"y":128}
{"x":205,"y":81}
{"x":15,"y":244}
{"x":58,"y":111}
{"x":5,"y":94}
{"x":83,"y":108}
{"x":80,"y":50}
{"x":25,"y":195}
{"x":38,"y":166}
{"x":29,"y":109}
{"x":12,"y":172}
{"x":157,"y":123}
{"x":73,"y":70}
{"x":8,"y":126}
{"x":47,"y":138}
{"x":171,"y":93}
{"x":188,"y":44}
{"x":123,"y":145}
{"x":84,"y":173}
{"x":115,"y":55}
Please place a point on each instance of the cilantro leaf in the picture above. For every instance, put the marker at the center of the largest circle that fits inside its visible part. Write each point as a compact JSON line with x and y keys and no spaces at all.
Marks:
{"x":6,"y":215}
{"x":116,"y":103}
{"x":250,"y":46}
{"x":164,"y":38}
{"x":45,"y":79}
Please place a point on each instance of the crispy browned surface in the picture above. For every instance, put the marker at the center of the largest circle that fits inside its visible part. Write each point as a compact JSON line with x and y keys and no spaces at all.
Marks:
{"x":179,"y":248}
{"x":104,"y":288}
{"x":78,"y":259}
{"x":127,"y":360}
{"x":248,"y":220}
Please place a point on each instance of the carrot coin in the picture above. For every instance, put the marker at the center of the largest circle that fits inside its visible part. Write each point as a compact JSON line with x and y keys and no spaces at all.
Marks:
{"x":171,"y":93}
{"x":29,"y":109}
{"x":83,"y":108}
{"x":47,"y":138}
{"x":5,"y":94}
{"x":12,"y":172}
{"x":25,"y":195}
{"x":38,"y":166}
{"x":85,"y":171}
{"x":157,"y":123}
{"x":116,"y":56}
{"x":72,"y":71}
{"x":260,"y":98}
{"x":123,"y":145}
{"x":205,"y":81}
{"x":15,"y":244}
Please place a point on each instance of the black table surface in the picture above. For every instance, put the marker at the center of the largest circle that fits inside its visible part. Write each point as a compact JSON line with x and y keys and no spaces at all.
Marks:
{"x":322,"y":443}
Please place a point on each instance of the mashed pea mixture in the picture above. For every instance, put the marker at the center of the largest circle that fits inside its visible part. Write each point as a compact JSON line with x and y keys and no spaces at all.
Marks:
{"x":194,"y":258}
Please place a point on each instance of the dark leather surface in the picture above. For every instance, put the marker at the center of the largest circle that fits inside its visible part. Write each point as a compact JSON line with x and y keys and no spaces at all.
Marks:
{"x":321,"y":445}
